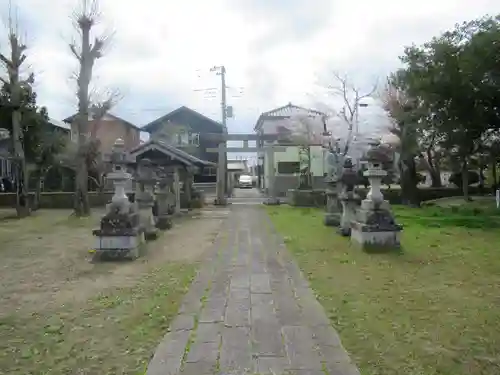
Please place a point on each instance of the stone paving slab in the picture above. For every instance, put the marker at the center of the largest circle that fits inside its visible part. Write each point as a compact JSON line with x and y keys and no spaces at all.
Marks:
{"x":250,"y":311}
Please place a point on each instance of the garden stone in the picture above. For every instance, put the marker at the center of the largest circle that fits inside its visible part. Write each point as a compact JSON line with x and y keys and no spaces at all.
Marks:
{"x":119,"y":234}
{"x":374,"y":227}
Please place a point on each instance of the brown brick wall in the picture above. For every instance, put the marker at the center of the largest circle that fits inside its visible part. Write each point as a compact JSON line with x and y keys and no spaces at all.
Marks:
{"x":107,"y":131}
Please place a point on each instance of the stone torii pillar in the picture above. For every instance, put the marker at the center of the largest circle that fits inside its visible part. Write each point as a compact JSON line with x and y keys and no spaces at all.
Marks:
{"x":272,"y":199}
{"x":269,"y":152}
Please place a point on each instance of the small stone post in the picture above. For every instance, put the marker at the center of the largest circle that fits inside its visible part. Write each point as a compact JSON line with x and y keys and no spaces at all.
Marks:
{"x":145,"y":199}
{"x":119,"y":234}
{"x":348,"y":198}
{"x":374,"y":228}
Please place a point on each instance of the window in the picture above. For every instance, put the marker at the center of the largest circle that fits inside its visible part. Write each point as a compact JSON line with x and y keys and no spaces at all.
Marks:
{"x":288,"y":167}
{"x":185,"y":139}
{"x":210,"y":171}
{"x":194,"y":139}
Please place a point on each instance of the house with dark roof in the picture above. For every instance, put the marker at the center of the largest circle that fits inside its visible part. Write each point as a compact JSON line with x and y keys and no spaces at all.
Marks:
{"x":107,"y":130}
{"x":6,"y":144}
{"x":186,"y":130}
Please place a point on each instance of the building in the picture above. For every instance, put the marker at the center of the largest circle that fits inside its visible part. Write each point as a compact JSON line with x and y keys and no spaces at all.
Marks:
{"x":6,"y":170}
{"x":280,"y":121}
{"x":107,"y":130}
{"x":186,"y":130}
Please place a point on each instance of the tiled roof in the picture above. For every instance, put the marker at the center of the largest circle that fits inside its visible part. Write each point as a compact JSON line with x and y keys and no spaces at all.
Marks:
{"x":150,"y":127}
{"x":171,"y":151}
{"x":285,"y":111}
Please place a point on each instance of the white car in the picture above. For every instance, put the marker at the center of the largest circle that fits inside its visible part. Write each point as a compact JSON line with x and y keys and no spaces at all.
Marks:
{"x":245,"y":181}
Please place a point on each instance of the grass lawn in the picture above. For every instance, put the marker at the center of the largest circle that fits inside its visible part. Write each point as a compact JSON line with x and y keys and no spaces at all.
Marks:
{"x":61,"y":314}
{"x":433,"y":309}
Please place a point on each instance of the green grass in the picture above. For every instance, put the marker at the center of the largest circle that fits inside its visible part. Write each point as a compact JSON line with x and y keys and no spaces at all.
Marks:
{"x":113,"y":333}
{"x":432,"y":309}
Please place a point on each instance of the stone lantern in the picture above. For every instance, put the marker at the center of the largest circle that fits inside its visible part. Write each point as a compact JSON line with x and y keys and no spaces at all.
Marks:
{"x":145,"y":198}
{"x":119,"y":234}
{"x":332,"y":179}
{"x":374,"y":227}
{"x":348,"y":197}
{"x":165,"y":199}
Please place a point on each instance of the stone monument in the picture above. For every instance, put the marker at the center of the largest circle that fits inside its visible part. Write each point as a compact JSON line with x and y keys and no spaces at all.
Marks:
{"x":333,"y":207}
{"x":145,"y":198}
{"x":119,"y":235}
{"x":374,"y":227}
{"x":165,"y":200}
{"x":348,"y":197}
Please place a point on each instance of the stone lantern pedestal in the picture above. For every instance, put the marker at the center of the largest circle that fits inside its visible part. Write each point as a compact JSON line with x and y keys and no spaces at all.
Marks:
{"x":374,"y":227}
{"x":119,"y":235}
{"x":145,"y":199}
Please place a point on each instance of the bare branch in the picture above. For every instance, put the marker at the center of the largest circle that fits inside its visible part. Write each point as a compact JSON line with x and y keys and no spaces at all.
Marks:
{"x":6,"y":62}
{"x":72,"y":47}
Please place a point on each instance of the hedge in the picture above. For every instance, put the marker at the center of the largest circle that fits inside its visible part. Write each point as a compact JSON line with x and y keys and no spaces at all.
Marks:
{"x":317,"y":198}
{"x":64,"y":200}
{"x":306,"y":198}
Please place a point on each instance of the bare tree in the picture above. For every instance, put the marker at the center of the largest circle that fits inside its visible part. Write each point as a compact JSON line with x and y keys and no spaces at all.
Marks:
{"x":16,"y":86}
{"x":341,"y":89}
{"x":85,"y":20}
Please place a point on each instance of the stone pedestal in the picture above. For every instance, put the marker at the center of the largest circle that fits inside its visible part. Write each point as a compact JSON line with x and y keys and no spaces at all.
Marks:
{"x":374,"y":228}
{"x":350,"y":202}
{"x":333,"y":212}
{"x":119,"y":235}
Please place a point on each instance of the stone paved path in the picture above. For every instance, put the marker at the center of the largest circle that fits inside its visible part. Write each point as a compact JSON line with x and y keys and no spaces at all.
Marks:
{"x":250,"y":311}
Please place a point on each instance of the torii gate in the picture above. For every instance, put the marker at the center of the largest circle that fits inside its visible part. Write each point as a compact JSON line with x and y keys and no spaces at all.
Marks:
{"x":269,"y":155}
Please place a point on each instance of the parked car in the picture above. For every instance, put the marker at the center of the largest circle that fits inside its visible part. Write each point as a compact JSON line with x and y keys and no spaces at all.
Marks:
{"x":245,"y":181}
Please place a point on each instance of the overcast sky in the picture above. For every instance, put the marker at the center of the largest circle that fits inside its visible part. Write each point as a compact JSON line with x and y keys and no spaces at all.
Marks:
{"x":273,"y":50}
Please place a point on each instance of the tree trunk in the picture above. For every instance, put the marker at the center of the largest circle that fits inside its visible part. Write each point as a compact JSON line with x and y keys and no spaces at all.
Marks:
{"x":434,"y":170}
{"x":493,"y":166}
{"x":409,"y":191}
{"x":82,"y":206}
{"x":465,"y":179}
{"x":22,"y":198}
{"x":38,"y":193}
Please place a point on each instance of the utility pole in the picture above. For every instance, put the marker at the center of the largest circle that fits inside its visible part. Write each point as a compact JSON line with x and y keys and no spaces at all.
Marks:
{"x":222,"y":162}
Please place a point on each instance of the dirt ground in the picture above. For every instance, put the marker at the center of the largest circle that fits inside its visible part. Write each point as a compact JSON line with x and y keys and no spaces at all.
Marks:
{"x":62,"y":314}
{"x":45,"y":258}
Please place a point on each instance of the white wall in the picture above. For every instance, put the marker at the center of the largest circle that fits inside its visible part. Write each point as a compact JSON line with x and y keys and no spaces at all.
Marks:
{"x":292,"y":154}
